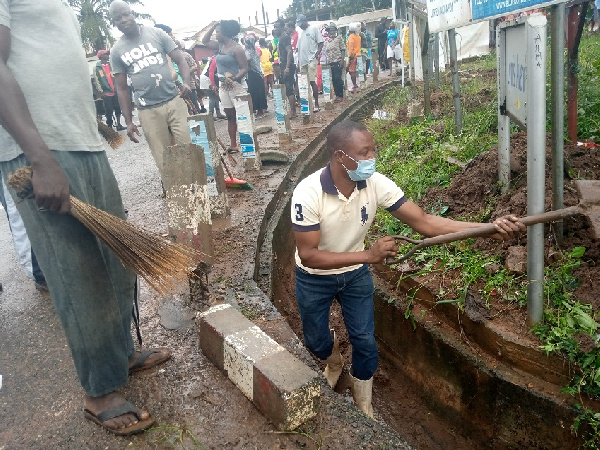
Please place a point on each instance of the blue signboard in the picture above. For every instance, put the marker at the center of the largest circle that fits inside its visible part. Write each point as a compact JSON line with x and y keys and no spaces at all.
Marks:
{"x":483,"y":9}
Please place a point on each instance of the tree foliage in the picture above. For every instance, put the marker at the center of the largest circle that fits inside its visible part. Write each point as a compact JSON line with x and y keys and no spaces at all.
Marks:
{"x":341,"y":7}
{"x":95,"y":23}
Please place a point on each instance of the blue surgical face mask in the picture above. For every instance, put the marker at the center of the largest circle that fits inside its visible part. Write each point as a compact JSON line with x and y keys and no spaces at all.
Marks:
{"x":365,"y":168}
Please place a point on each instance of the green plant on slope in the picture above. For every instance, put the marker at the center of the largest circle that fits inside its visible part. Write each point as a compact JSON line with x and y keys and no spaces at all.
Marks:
{"x":415,"y":156}
{"x":566,"y":322}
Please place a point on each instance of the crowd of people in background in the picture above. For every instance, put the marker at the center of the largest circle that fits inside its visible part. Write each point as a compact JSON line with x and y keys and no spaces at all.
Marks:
{"x":295,"y":48}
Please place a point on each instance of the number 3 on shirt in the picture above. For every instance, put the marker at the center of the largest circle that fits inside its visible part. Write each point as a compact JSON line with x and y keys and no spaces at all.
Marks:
{"x":299,"y":215}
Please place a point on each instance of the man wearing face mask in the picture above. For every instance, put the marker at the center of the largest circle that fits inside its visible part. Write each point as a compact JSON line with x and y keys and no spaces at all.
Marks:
{"x":332,"y":210}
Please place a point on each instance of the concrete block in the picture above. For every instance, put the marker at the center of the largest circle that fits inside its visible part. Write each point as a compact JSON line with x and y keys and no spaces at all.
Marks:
{"x":215,"y":323}
{"x":188,"y":204}
{"x":288,"y":388}
{"x":263,"y":129}
{"x":274,"y":156}
{"x":283,"y":388}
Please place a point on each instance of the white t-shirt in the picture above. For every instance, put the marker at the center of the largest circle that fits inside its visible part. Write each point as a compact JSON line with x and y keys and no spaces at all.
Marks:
{"x":343,"y":222}
{"x":45,"y":36}
{"x":308,"y":44}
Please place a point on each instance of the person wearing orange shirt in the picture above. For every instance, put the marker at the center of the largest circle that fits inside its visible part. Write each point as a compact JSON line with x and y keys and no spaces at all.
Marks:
{"x":353,"y":47}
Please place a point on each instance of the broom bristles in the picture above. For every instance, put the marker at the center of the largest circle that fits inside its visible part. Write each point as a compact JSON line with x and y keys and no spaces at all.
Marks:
{"x":113,"y":138}
{"x":162,"y":263}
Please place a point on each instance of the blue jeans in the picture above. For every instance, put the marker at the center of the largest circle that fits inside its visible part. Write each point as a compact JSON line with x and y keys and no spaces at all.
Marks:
{"x":91,"y":290}
{"x":354,"y":291}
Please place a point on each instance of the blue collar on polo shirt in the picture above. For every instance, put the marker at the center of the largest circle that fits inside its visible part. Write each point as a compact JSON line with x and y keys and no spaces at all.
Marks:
{"x":328,"y":185}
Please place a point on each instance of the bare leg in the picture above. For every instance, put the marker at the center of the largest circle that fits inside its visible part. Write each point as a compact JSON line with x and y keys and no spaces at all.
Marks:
{"x":231,"y":127}
{"x":390,"y":64}
{"x":315,"y":92}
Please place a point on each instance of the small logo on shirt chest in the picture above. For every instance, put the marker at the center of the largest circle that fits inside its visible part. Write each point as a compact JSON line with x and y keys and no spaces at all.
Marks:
{"x":363,"y":215}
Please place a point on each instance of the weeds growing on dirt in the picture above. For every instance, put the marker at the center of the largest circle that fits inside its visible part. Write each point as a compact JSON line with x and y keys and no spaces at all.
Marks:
{"x":175,"y":437}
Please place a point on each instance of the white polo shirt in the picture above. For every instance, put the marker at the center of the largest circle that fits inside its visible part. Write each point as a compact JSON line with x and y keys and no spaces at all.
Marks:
{"x":343,"y":222}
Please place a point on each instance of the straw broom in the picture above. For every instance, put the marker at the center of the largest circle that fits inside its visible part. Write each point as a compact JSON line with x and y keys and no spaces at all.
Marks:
{"x":162,"y":263}
{"x":113,"y":138}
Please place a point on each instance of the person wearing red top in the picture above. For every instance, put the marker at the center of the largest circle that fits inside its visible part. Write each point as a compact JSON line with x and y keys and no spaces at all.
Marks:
{"x":106,"y":87}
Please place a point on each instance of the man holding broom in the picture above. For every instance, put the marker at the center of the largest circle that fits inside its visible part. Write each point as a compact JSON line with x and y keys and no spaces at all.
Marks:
{"x":332,"y":210}
{"x":92,"y":293}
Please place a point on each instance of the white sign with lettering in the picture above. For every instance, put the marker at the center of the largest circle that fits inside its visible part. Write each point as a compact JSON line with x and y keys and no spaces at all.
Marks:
{"x":515,"y":73}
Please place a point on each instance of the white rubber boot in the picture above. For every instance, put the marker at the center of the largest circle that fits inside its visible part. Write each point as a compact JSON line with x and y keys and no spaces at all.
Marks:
{"x":335,"y":363}
{"x":362,"y":392}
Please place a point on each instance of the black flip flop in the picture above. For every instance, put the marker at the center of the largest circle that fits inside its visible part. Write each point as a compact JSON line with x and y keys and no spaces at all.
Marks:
{"x":125,"y":408}
{"x":139,"y":367}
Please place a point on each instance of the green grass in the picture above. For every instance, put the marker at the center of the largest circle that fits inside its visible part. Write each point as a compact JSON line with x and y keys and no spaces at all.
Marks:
{"x":588,"y":100}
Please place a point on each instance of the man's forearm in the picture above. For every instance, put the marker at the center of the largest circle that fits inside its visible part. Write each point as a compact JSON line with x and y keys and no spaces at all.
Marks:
{"x":324,"y":260}
{"x":124,"y":98}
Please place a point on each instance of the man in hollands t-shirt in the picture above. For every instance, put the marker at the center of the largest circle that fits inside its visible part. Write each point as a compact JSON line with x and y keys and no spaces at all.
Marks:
{"x":106,"y":87}
{"x":142,"y":53}
{"x":286,"y":64}
{"x":332,"y":210}
{"x":310,"y":44}
{"x":92,"y":293}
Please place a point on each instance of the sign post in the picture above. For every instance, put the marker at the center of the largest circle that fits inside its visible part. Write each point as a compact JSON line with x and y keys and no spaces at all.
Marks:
{"x":281,"y":113}
{"x":203,"y":134}
{"x":245,"y":122}
{"x":522,"y":98}
{"x":305,"y":91}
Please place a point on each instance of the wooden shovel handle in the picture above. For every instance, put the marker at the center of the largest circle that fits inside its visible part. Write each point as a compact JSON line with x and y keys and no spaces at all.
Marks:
{"x":487,"y":230}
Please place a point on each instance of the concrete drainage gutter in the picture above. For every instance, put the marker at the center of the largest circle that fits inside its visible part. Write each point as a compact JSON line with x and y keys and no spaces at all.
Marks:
{"x":502,"y":394}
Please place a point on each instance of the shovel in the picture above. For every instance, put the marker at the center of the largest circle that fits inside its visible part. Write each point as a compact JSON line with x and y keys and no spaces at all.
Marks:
{"x":589,"y":205}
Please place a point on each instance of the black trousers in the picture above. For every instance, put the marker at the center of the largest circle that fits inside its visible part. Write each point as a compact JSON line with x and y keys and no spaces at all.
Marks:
{"x":111,"y":104}
{"x":337,"y":79}
{"x":382,"y":53}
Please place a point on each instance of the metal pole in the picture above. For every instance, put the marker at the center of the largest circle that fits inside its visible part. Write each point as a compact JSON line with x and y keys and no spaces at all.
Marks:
{"x":262,"y":4}
{"x":436,"y":58}
{"x":455,"y":81}
{"x":503,"y":119}
{"x":575,"y":28}
{"x":394,"y":11}
{"x":411,"y":46}
{"x":557,"y":74}
{"x":536,"y":161}
{"x":425,"y":59}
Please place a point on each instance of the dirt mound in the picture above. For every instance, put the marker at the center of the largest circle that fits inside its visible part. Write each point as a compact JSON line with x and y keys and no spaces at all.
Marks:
{"x":475,"y":192}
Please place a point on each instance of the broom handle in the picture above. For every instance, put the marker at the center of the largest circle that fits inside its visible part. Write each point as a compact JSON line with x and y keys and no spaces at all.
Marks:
{"x":233,"y":161}
{"x":223,"y":161}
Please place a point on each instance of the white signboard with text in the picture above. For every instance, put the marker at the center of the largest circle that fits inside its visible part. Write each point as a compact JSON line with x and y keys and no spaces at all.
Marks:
{"x":513,"y":80}
{"x":443,"y":15}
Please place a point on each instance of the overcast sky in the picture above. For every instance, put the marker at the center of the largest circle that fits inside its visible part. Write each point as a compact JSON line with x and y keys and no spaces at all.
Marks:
{"x":185,"y":13}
